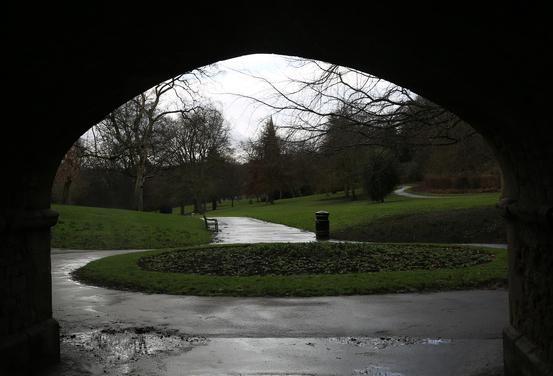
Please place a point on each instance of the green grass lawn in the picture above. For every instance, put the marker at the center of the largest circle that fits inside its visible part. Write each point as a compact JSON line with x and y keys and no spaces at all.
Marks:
{"x":300,"y":212}
{"x":99,"y":228}
{"x":81,"y":227}
{"x":124,"y":272}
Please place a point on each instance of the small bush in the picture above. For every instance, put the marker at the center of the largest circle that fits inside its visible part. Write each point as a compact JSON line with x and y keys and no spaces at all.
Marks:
{"x":380,"y":175}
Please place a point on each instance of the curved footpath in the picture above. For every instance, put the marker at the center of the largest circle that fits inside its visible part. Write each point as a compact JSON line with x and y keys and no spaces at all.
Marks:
{"x":112,"y":332}
{"x":401,"y":191}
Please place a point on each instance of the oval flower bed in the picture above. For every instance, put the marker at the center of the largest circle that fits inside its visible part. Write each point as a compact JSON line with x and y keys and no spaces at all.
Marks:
{"x":312,"y":258}
{"x":300,"y":269}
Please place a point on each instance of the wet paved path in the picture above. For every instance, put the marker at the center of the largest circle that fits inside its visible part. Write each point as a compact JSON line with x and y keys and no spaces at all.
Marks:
{"x":401,"y":191}
{"x":251,"y":230}
{"x":445,"y":333}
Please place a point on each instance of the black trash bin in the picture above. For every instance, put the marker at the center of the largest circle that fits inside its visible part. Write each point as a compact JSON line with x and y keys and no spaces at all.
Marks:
{"x":322,"y":225}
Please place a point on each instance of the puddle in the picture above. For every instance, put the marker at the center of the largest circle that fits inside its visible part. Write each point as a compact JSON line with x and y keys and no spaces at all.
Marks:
{"x":121,"y":347}
{"x":436,"y":341}
{"x":380,"y":343}
{"x":375,"y":371}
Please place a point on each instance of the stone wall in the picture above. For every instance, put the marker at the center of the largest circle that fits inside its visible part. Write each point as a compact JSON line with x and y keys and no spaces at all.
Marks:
{"x":29,"y":337}
{"x":528,"y":342}
{"x":528,"y":208}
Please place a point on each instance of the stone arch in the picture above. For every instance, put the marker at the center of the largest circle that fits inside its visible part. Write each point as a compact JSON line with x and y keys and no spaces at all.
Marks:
{"x":490,"y":68}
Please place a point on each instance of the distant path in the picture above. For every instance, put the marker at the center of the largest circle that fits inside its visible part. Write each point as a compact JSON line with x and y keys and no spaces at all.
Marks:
{"x":401,"y":192}
{"x":251,"y":230}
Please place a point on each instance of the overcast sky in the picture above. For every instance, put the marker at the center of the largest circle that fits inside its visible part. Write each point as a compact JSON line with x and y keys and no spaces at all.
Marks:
{"x":233,"y":77}
{"x":245,"y":117}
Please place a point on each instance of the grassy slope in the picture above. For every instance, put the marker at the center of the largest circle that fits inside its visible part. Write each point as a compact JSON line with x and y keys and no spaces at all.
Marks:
{"x":300,"y":212}
{"x":98,"y":228}
{"x":82,"y":227}
{"x":481,"y":224}
{"x":122,"y":271}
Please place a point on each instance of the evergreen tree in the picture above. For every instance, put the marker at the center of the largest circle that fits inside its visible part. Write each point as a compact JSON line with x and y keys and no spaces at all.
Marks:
{"x":267,"y":163}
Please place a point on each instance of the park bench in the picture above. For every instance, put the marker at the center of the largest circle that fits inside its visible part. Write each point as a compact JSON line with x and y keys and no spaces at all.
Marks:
{"x":211,"y":221}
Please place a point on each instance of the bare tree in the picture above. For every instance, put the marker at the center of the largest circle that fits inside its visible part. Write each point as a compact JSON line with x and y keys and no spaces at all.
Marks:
{"x":342,"y":155}
{"x":382,"y":113}
{"x":199,"y":140}
{"x":134,"y":136}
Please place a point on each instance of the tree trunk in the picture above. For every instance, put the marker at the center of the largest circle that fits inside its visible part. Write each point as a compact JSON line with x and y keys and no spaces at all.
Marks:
{"x":182,"y":208}
{"x":139,"y":191}
{"x":232,"y":202}
{"x":140,"y":197}
{"x":214,"y":204}
{"x":65,"y":194}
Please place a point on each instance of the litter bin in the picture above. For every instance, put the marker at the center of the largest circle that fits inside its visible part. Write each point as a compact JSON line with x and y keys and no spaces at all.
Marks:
{"x":322,"y":225}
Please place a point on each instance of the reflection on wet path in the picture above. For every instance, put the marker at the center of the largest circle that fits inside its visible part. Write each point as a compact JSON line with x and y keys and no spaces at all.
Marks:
{"x":384,"y":342}
{"x":74,"y":303}
{"x":119,"y":348}
{"x":323,"y":356}
{"x":251,"y":230}
{"x":375,"y":371}
{"x":123,"y":351}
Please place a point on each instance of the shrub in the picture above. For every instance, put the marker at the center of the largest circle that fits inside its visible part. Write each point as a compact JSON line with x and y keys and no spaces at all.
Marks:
{"x":380,"y":175}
